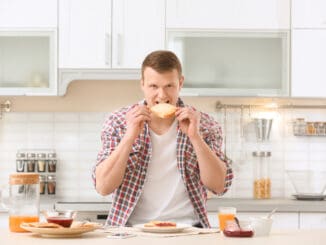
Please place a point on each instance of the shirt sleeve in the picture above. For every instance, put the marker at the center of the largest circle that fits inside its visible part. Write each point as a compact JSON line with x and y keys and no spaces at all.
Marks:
{"x":215,"y":140}
{"x":110,"y":139}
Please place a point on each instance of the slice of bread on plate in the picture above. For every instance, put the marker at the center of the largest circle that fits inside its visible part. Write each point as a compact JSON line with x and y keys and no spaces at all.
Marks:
{"x":158,"y":223}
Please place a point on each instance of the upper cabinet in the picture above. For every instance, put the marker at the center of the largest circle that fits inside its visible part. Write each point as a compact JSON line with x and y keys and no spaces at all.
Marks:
{"x":31,"y":13}
{"x":308,"y":13}
{"x":109,"y":34}
{"x":85,"y":33}
{"x":226,"y":14}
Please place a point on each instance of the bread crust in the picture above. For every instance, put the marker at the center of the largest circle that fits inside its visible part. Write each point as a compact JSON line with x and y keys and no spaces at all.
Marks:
{"x":164,"y":110}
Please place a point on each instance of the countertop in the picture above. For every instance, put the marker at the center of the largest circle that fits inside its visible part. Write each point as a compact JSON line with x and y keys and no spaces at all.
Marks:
{"x":284,"y":237}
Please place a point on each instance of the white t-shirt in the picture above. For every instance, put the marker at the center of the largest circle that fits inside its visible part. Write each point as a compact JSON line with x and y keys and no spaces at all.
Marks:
{"x":164,"y":195}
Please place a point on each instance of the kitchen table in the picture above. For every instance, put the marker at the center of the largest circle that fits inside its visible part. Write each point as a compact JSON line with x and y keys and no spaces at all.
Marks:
{"x":279,"y":237}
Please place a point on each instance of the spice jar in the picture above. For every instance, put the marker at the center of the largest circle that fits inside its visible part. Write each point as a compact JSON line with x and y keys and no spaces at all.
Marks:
{"x":310,"y":128}
{"x":321,"y":128}
{"x":262,"y":182}
{"x":299,"y":127}
{"x":20,"y":162}
{"x":24,"y":200}
{"x":42,"y":184}
{"x":51,"y":184}
{"x":41,"y":162}
{"x":30,"y":166}
{"x":52,"y":162}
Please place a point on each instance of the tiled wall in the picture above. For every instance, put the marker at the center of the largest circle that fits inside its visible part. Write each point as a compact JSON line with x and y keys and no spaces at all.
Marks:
{"x":76,"y":139}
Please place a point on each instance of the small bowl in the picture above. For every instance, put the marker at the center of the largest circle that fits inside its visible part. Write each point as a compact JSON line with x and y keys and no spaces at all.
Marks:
{"x":63,"y":218}
{"x":261,"y":225}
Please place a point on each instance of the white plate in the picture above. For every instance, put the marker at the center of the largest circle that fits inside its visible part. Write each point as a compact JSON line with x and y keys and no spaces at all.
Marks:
{"x":178,"y":228}
{"x":59,"y":232}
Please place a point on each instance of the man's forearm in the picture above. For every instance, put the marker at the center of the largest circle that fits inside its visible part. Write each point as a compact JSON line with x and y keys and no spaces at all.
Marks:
{"x":212,"y":168}
{"x":110,"y":172}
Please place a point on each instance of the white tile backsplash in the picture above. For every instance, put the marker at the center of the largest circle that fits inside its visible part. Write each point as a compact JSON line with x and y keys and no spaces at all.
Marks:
{"x":76,"y":139}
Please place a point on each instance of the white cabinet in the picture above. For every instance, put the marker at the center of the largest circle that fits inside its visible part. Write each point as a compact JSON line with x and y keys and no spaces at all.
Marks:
{"x":84,"y":33}
{"x":308,"y":13}
{"x":226,"y":14}
{"x":308,"y":63}
{"x":312,"y":220}
{"x":31,"y":13}
{"x":138,"y":28}
{"x":86,"y":39}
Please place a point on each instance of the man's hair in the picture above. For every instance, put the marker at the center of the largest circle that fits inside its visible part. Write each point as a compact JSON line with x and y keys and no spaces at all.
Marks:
{"x":162,"y":61}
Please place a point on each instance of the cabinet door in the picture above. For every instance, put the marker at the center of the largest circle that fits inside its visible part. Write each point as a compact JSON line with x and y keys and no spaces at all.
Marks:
{"x":312,"y":220}
{"x":309,"y":13}
{"x":249,"y":14}
{"x":308,"y":63}
{"x":84,"y":33}
{"x":138,"y":28}
{"x":31,"y":13}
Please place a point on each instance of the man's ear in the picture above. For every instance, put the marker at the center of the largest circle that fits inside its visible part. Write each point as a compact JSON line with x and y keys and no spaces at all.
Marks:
{"x":181,"y":80}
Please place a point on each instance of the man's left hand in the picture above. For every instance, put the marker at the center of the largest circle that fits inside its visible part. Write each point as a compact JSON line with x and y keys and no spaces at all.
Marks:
{"x":188,"y":121}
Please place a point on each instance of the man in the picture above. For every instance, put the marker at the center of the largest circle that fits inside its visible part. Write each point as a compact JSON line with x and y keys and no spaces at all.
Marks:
{"x":160,"y":169}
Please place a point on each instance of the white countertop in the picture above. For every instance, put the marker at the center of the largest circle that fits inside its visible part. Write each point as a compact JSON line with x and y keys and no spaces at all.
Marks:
{"x":284,"y":237}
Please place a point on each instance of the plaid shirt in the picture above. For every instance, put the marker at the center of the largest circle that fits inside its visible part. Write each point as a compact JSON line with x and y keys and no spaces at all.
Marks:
{"x":126,"y":196}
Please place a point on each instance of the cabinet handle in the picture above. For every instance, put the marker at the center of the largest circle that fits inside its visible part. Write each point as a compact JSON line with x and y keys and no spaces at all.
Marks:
{"x":120,"y":49}
{"x":108,"y":49}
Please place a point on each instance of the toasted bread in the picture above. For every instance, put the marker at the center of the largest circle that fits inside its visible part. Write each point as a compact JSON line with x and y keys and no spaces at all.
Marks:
{"x":43,"y":225}
{"x":157,"y":223}
{"x":163,"y":110}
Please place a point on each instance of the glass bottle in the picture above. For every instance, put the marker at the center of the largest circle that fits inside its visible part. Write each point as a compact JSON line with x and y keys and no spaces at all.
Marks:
{"x":41,"y":164}
{"x":52,"y":162}
{"x":262,"y":181}
{"x":20,"y":162}
{"x":30,"y":166}
{"x":24,"y":197}
{"x":51,"y":183}
{"x":42,"y":184}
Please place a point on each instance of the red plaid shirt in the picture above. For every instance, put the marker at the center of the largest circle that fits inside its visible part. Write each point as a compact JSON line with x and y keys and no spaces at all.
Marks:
{"x":126,"y":196}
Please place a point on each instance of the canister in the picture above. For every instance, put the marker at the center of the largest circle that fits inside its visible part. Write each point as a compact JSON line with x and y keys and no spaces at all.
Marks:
{"x":262,"y":181}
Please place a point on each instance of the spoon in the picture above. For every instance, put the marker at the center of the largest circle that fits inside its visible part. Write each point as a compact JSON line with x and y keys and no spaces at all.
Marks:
{"x":237,"y":221}
{"x":271,"y":213}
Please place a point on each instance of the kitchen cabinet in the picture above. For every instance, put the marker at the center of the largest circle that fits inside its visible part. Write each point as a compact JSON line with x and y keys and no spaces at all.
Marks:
{"x":312,"y":220}
{"x":28,"y":62}
{"x":308,"y":63}
{"x":226,"y":14}
{"x":32,"y":13}
{"x":308,"y":14}
{"x":109,"y":34}
{"x":85,"y":34}
{"x":138,"y":28}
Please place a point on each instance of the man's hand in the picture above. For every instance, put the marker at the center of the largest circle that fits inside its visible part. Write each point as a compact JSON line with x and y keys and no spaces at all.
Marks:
{"x":188,"y":121}
{"x":136,"y":118}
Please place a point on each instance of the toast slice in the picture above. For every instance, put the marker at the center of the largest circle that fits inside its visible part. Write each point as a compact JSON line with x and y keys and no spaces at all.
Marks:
{"x":163,"y":110}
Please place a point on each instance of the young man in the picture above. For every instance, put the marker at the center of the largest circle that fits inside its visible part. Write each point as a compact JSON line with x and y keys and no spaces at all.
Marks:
{"x":159,"y":169}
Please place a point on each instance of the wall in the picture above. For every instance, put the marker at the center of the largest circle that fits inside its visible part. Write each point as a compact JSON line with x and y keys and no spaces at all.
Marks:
{"x":71,"y":125}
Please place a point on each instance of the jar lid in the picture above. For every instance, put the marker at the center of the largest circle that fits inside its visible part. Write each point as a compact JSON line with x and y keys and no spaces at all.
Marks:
{"x":42,"y":177}
{"x":23,"y":178}
{"x":20,"y":155}
{"x":51,"y":177}
{"x":52,"y":155}
{"x":261,"y":153}
{"x":31,"y":155}
{"x":41,"y":155}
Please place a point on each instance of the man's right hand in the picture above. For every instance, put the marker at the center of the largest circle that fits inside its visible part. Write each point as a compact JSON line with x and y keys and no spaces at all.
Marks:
{"x":136,"y":118}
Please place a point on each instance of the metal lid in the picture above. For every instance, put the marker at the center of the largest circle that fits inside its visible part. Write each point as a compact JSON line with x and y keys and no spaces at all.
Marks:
{"x":42,"y":178}
{"x":21,"y":155}
{"x":52,"y":155}
{"x":51,"y":177}
{"x":261,"y":153}
{"x":41,"y":155}
{"x":23,"y":178}
{"x":31,"y":155}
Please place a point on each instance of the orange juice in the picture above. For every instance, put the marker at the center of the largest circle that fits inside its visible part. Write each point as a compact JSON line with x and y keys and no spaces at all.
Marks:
{"x":15,"y":221}
{"x":223,"y":217}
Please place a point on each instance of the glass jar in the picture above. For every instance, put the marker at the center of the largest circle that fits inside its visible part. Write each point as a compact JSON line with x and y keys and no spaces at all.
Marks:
{"x":321,"y":128}
{"x":310,"y":128}
{"x":24,"y":197}
{"x":41,"y":164}
{"x":299,"y":127}
{"x":20,"y":162}
{"x":42,"y":184}
{"x":30,"y":163}
{"x":52,"y":162}
{"x":51,"y":183}
{"x":262,"y":181}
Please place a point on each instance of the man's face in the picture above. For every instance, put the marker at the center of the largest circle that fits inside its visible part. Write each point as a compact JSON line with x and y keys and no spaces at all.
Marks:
{"x":161,"y":87}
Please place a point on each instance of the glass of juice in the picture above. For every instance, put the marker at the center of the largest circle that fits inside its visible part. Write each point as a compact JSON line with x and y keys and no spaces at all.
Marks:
{"x":224,"y":214}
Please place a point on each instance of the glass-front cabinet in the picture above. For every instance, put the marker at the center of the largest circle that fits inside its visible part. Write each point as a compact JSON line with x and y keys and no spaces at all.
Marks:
{"x":233,"y":63}
{"x":28,"y":62}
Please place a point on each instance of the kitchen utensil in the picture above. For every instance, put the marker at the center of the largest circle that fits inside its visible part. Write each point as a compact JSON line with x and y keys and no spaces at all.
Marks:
{"x":261,"y":225}
{"x":263,"y":128}
{"x":308,"y":184}
{"x":269,"y":216}
{"x":63,"y":218}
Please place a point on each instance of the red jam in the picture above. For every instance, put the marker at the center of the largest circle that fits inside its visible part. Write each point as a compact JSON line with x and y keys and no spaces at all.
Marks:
{"x":238,"y":233}
{"x":63,"y":221}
